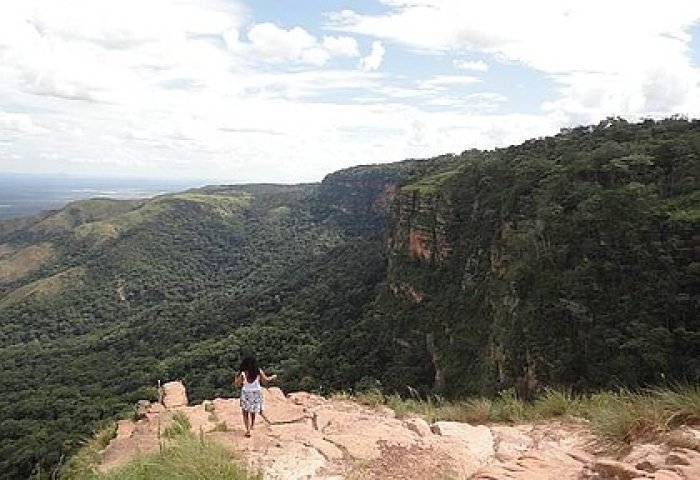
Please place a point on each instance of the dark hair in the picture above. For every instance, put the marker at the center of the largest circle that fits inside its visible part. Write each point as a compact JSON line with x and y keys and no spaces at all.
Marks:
{"x":249,"y":365}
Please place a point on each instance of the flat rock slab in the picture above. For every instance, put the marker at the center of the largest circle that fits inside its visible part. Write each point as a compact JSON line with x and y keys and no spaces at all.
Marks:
{"x":540,"y":466}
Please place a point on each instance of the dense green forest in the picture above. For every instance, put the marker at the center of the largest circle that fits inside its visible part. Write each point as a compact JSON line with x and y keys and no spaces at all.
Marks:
{"x":572,"y":260}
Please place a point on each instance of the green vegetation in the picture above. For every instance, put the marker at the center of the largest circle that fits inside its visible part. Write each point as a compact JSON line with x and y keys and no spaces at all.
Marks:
{"x":184,"y":457}
{"x":24,"y":261}
{"x":83,"y":464}
{"x":430,"y":184}
{"x":618,"y":419}
{"x":46,"y":287}
{"x":179,"y":426}
{"x":565,"y":261}
{"x":83,"y":212}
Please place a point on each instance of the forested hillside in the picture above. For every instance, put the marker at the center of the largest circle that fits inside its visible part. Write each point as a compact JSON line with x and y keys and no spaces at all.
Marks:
{"x":572,"y":261}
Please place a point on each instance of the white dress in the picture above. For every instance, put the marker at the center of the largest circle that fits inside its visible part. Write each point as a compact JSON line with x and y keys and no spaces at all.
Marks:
{"x":251,"y":395}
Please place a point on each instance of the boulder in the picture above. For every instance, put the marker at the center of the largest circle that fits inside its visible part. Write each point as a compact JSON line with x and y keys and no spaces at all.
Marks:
{"x":278,"y":409}
{"x":174,"y":395}
{"x":478,"y":440}
{"x":511,"y":442}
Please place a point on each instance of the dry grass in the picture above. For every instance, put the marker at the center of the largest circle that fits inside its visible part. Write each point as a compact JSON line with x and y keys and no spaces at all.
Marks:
{"x":24,"y":261}
{"x":46,"y":287}
{"x":618,"y":419}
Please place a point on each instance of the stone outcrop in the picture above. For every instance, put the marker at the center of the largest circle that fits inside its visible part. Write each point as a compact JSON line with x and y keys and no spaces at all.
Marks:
{"x":304,"y":436}
{"x":174,"y":395}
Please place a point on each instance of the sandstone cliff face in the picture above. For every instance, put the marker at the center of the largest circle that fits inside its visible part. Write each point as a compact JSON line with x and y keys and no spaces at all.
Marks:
{"x":359,"y":199}
{"x":419,"y":226}
{"x":411,"y":213}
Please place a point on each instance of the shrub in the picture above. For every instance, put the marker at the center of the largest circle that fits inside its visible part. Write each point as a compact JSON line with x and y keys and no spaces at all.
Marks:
{"x":179,"y":425}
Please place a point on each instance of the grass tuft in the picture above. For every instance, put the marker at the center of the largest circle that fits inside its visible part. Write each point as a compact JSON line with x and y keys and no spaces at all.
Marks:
{"x":617,"y":418}
{"x":179,"y":426}
{"x":681,"y":404}
{"x":82,"y":465}
{"x":555,"y":403}
{"x":632,"y":418}
{"x":187,"y":459}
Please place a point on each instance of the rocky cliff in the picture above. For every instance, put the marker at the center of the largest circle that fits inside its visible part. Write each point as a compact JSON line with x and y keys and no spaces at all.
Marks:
{"x":532,"y":265}
{"x":305,"y":436}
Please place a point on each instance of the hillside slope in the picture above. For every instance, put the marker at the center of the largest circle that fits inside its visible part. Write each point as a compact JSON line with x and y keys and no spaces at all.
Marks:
{"x":572,"y":260}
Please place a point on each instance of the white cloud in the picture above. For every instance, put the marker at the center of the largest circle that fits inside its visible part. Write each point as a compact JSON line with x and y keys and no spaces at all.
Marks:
{"x":18,"y":123}
{"x":587,"y":47}
{"x":274,"y":43}
{"x":476,"y":66}
{"x":268,"y":42}
{"x":374,"y":60}
{"x":341,"y":46}
{"x":483,"y":102}
{"x":194,"y":87}
{"x":448,"y":81}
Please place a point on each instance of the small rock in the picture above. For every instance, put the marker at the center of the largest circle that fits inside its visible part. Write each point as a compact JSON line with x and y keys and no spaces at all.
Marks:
{"x":678,"y":457}
{"x":649,"y":458}
{"x":617,"y":470}
{"x":156,"y":408}
{"x":305,"y":399}
{"x":142,"y":408}
{"x":418,"y":426}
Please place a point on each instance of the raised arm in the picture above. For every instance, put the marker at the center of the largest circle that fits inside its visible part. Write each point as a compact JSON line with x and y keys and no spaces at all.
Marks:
{"x":238,"y":379}
{"x":267,"y":379}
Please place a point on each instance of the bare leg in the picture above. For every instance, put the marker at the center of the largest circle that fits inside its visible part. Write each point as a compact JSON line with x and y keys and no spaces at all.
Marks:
{"x":252,"y":420}
{"x":246,"y":422}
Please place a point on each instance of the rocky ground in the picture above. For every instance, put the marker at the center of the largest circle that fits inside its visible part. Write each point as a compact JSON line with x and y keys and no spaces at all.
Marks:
{"x":310,"y":437}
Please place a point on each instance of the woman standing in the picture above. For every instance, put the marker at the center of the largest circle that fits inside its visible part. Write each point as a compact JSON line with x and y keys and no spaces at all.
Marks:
{"x":248,"y":378}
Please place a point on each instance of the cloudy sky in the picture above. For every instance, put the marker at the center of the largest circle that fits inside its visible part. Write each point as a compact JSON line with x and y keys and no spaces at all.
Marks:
{"x":289,"y":90}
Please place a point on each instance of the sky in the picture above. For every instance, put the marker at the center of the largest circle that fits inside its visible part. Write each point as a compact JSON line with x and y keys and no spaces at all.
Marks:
{"x":290,"y":90}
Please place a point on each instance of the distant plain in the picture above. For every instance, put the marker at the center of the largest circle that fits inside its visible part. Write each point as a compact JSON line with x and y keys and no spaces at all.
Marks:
{"x":23,"y":194}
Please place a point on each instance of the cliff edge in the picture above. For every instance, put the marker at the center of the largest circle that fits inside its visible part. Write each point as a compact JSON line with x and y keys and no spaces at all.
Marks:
{"x":306,"y":436}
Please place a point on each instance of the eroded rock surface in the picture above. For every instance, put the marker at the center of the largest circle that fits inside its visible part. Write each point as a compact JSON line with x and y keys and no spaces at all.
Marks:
{"x":304,"y":436}
{"x":174,"y":395}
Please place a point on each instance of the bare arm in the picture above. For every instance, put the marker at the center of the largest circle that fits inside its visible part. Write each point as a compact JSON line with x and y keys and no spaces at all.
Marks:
{"x":267,"y":379}
{"x":238,"y":379}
